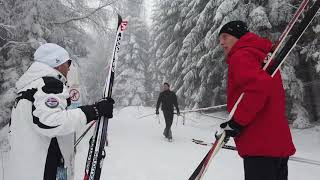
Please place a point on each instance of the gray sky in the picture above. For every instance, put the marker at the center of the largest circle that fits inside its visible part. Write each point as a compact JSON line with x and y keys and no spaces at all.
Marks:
{"x":148,"y":4}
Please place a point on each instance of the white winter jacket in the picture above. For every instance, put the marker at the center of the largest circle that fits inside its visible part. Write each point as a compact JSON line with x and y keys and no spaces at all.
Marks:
{"x":41,"y":126}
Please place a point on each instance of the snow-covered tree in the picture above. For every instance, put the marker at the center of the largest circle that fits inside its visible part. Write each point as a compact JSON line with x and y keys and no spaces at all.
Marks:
{"x":167,"y":37}
{"x":202,"y":72}
{"x":130,"y":80}
{"x":132,"y":84}
{"x":308,"y":69}
{"x":24,"y":25}
{"x":95,"y":66}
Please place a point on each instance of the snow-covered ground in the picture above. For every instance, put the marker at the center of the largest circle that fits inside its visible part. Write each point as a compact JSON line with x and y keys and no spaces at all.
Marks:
{"x":138,"y":151}
{"x":4,"y":149}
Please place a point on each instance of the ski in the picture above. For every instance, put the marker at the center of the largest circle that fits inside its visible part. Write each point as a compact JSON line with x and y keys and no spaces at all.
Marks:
{"x":96,"y":151}
{"x":278,"y":60}
{"x":233,"y":148}
{"x":204,"y":164}
{"x":203,"y":143}
{"x":146,"y":115}
{"x":285,"y":33}
{"x":217,"y":108}
{"x":291,"y":43}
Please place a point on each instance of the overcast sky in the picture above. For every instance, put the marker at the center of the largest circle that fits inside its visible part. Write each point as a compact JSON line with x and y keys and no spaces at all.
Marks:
{"x":148,"y":4}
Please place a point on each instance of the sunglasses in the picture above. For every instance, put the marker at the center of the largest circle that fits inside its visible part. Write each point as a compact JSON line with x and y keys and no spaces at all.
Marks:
{"x":69,"y":62}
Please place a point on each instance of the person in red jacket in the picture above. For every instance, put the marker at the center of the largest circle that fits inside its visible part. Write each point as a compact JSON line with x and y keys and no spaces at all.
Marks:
{"x":259,"y":125}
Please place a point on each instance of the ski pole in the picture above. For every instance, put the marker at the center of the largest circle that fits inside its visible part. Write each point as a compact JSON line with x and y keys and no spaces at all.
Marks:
{"x":158,"y":118}
{"x":146,"y":115}
{"x":304,"y":160}
{"x":177,"y":121}
{"x":83,"y":134}
{"x":202,"y":109}
{"x":217,"y":117}
{"x":183,"y":119}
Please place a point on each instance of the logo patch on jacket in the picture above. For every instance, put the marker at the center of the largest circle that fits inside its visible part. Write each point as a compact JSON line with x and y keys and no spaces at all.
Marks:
{"x":52,"y":102}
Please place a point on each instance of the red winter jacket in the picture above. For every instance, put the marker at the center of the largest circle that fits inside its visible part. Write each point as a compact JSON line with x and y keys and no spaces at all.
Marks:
{"x":262,"y":109}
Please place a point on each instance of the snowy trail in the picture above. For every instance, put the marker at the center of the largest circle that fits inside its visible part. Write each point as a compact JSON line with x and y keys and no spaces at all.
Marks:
{"x":138,"y":151}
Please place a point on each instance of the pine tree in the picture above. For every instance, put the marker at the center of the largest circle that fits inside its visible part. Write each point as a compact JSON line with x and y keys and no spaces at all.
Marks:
{"x":167,"y":37}
{"x":132,"y":86}
{"x":94,"y":67}
{"x":201,"y":70}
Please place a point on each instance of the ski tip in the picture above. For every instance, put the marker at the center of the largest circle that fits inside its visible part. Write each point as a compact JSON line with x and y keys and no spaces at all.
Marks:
{"x":121,"y":23}
{"x":119,"y":19}
{"x":86,"y":177}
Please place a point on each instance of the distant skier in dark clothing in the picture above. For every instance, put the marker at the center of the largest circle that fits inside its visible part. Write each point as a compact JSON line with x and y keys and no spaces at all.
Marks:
{"x":167,"y":99}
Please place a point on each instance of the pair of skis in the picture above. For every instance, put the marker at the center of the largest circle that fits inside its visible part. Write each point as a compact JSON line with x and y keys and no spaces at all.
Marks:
{"x":203,"y":143}
{"x":98,"y":141}
{"x":278,"y":59}
{"x":292,"y":158}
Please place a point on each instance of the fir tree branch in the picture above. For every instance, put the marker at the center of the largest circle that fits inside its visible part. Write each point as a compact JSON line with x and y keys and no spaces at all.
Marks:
{"x":6,"y":26}
{"x":12,"y":43}
{"x":85,"y":16}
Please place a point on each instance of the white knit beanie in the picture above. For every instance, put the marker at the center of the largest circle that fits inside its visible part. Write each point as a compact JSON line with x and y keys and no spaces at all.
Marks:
{"x":51,"y":54}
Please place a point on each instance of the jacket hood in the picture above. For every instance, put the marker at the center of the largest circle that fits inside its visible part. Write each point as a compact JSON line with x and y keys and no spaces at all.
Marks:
{"x":36,"y":71}
{"x":253,"y":43}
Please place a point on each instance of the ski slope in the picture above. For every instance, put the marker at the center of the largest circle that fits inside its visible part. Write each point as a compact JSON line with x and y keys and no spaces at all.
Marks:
{"x":138,"y":151}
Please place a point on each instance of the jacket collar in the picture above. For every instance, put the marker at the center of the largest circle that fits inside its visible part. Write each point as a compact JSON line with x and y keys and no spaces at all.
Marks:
{"x":36,"y":71}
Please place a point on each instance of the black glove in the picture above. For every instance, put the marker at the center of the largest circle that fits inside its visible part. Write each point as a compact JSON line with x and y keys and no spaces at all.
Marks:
{"x":231,"y":128}
{"x":157,"y":111}
{"x":104,"y":107}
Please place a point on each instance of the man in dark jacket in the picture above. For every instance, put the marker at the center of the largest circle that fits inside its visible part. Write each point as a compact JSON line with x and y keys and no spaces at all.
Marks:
{"x":167,"y":99}
{"x":259,"y":125}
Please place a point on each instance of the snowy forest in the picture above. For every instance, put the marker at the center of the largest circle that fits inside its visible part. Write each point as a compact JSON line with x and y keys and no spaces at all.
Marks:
{"x":172,"y":41}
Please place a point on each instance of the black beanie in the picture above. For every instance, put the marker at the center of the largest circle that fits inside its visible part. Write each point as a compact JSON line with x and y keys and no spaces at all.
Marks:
{"x":235,"y":28}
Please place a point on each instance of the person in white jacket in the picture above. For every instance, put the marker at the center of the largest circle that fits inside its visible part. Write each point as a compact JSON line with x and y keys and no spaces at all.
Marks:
{"x":40,"y":121}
